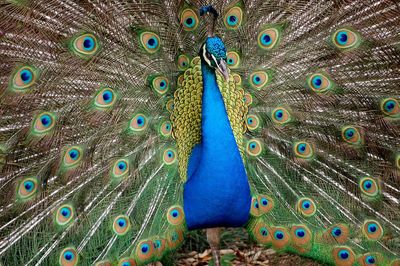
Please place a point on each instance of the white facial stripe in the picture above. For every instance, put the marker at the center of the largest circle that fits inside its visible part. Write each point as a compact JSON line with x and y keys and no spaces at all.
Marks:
{"x":204,"y":55}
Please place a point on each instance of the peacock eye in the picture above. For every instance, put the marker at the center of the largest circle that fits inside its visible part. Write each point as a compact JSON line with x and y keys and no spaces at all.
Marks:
{"x":343,"y":255}
{"x":121,"y":225}
{"x":259,"y":79}
{"x":150,"y":41}
{"x":390,"y":107}
{"x":252,"y":122}
{"x":303,"y":150}
{"x":43,"y":123}
{"x":280,"y":116}
{"x":351,"y":135}
{"x":208,"y":55}
{"x":233,"y":18}
{"x":233,"y":59}
{"x":372,"y":230}
{"x":85,"y":44}
{"x":300,"y":233}
{"x":144,"y":250}
{"x":268,"y":38}
{"x":105,"y":98}
{"x":254,"y":147}
{"x":306,"y":207}
{"x":175,"y":215}
{"x":344,"y":39}
{"x":169,"y":156}
{"x":183,"y":62}
{"x":27,"y":188}
{"x":189,"y":20}
{"x":120,"y":168}
{"x":369,"y":186}
{"x":319,"y":83}
{"x":160,"y":85}
{"x":64,"y":214}
{"x":24,"y":78}
{"x":72,"y":156}
{"x":68,"y":256}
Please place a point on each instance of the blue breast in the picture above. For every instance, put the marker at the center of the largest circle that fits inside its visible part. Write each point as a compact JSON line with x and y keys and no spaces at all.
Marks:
{"x":217,"y":192}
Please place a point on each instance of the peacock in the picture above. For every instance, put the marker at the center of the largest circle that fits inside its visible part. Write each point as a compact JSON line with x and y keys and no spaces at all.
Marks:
{"x":126,"y":124}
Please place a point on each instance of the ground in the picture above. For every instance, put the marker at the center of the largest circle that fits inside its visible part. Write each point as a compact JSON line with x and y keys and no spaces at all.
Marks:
{"x":236,"y":249}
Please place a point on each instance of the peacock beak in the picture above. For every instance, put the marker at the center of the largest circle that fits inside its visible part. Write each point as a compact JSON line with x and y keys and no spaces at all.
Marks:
{"x":222,"y":68}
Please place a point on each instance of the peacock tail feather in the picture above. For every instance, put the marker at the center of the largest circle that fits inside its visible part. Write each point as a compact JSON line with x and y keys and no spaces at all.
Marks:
{"x":101,"y":110}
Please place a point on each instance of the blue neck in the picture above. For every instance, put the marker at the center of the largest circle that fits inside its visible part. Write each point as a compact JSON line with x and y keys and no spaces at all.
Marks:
{"x":216,"y":132}
{"x":217,"y":192}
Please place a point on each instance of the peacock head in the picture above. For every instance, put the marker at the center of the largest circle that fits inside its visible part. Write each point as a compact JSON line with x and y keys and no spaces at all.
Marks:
{"x":213,"y":52}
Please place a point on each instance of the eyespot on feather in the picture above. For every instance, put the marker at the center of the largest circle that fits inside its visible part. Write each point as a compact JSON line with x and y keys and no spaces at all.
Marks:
{"x":371,"y":259}
{"x":160,"y":244}
{"x":390,"y":107}
{"x":337,"y":233}
{"x":265,"y":203}
{"x":144,"y":250}
{"x":233,"y":59}
{"x":170,"y":105}
{"x":319,"y":83}
{"x":306,"y":207}
{"x":160,"y":85}
{"x":343,"y":256}
{"x":138,"y":123}
{"x":120,"y":168}
{"x":372,"y":230}
{"x":300,"y":235}
{"x":127,"y":262}
{"x":24,"y":78}
{"x":27,"y":188}
{"x":303,"y":150}
{"x":105,"y":98}
{"x":351,"y":135}
{"x":254,"y":147}
{"x":72,"y":156}
{"x":280,"y":116}
{"x":175,"y":215}
{"x":268,"y":38}
{"x":43,"y":123}
{"x":259,"y":79}
{"x":121,"y":225}
{"x":64,"y":214}
{"x":261,"y":233}
{"x":280,"y":237}
{"x":85,"y":45}
{"x":189,"y":19}
{"x":255,"y":207}
{"x":369,"y":186}
{"x":233,"y":18}
{"x":175,"y":238}
{"x":237,"y":78}
{"x":68,"y":257}
{"x":252,"y":122}
{"x":165,"y":129}
{"x":169,"y":156}
{"x":103,"y":263}
{"x":149,"y":41}
{"x":345,"y":39}
{"x":183,"y":62}
{"x":248,"y":99}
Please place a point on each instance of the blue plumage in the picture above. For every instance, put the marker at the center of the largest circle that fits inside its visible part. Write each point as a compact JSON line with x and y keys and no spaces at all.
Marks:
{"x":216,"y":174}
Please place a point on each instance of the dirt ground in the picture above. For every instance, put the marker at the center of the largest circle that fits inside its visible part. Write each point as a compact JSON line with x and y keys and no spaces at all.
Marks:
{"x":256,"y":256}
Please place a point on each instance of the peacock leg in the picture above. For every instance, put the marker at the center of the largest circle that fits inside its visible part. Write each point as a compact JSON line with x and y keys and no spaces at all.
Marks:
{"x":213,"y":238}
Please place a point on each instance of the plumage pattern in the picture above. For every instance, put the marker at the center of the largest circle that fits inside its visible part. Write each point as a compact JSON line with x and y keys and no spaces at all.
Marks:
{"x":100,"y":108}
